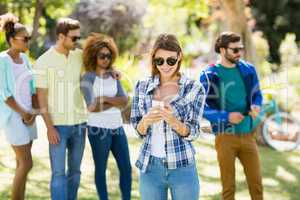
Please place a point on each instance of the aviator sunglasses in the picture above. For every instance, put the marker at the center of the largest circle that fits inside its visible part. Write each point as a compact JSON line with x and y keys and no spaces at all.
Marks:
{"x":236,"y":50}
{"x":74,"y":38}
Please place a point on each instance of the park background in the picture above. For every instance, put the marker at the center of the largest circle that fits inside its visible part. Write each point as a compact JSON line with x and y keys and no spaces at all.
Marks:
{"x":270,"y":30}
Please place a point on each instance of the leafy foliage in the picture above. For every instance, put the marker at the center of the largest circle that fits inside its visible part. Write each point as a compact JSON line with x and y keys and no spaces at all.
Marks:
{"x":276,"y":20}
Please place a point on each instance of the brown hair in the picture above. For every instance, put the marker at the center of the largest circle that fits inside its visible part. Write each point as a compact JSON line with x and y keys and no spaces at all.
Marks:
{"x":224,"y":39}
{"x":94,"y":43}
{"x":64,"y":25}
{"x":11,"y":27}
{"x":167,"y":42}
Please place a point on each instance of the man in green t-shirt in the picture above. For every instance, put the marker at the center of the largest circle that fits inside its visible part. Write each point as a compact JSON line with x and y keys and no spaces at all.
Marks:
{"x":233,"y":101}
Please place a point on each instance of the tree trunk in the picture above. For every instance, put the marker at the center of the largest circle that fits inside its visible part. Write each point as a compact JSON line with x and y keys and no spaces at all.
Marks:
{"x":234,"y":11}
{"x":3,"y":8}
{"x":20,"y":13}
{"x":37,"y":15}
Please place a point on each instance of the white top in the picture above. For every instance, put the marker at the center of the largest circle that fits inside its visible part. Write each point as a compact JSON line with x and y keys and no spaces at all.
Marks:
{"x":23,"y":77}
{"x":110,"y":118}
{"x":158,"y":135}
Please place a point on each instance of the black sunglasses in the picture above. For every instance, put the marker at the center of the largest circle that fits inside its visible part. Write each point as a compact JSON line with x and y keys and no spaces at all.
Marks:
{"x":74,"y":38}
{"x":160,"y":61}
{"x":102,"y":56}
{"x":24,"y":39}
{"x":236,"y":50}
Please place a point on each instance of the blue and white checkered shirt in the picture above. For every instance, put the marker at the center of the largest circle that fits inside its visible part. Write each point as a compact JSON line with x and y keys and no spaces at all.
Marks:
{"x":187,"y":107}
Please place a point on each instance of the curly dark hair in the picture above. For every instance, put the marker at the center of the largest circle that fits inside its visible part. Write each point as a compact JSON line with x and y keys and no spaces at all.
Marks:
{"x":94,"y":43}
{"x":10,"y":25}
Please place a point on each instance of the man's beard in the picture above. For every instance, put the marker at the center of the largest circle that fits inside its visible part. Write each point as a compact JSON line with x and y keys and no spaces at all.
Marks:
{"x":230,"y":59}
{"x":69,"y":48}
{"x":72,"y":48}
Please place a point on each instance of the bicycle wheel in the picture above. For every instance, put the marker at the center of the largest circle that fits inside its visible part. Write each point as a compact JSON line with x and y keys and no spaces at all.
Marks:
{"x":281,"y":132}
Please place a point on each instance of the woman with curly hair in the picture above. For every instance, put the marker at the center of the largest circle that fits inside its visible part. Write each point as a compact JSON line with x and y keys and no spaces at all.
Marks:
{"x":105,"y":97}
{"x":17,"y":100}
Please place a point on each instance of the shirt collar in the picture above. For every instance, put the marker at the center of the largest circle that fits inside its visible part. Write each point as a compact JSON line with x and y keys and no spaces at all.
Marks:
{"x":154,"y":82}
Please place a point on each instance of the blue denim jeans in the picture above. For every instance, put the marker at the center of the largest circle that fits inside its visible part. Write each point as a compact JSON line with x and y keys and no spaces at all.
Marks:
{"x":102,"y":141}
{"x":182,"y":182}
{"x":64,"y":185}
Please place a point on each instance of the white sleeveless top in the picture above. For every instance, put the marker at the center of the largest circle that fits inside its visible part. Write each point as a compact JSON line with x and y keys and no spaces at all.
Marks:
{"x":110,"y":118}
{"x":158,"y":136}
{"x":22,"y":79}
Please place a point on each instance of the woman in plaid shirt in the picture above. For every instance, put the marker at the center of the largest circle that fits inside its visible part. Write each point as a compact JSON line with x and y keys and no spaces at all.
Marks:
{"x":166,"y":112}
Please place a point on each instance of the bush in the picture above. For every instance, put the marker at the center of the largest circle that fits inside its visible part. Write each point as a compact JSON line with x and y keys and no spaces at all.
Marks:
{"x":117,"y":18}
{"x":3,"y":44}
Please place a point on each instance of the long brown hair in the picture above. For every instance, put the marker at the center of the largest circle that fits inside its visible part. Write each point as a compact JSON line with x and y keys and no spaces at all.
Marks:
{"x":167,"y":42}
{"x":94,"y":43}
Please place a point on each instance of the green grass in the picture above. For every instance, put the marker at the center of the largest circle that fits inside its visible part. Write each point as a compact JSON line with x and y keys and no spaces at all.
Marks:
{"x":281,"y":173}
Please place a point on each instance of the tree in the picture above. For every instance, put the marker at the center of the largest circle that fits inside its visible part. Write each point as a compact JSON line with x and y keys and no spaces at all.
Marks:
{"x":3,"y":7}
{"x":117,"y":18}
{"x":276,"y":19}
{"x":31,"y":12}
{"x":227,"y":15}
{"x":39,"y":4}
{"x":43,"y":35}
{"x":178,"y":17}
{"x":236,"y":20}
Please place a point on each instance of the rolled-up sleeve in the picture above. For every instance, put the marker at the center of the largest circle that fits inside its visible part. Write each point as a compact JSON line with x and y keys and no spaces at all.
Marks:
{"x":136,"y":115}
{"x":196,"y":112}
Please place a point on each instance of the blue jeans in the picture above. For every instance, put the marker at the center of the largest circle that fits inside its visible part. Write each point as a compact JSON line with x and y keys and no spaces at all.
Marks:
{"x":102,"y":141}
{"x":64,"y":185}
{"x":155,"y":182}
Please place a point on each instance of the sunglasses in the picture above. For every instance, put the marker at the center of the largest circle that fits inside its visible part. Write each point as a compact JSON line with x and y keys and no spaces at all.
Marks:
{"x":24,"y":39}
{"x":102,"y":56}
{"x":236,"y":50}
{"x":74,"y":38}
{"x":160,"y":61}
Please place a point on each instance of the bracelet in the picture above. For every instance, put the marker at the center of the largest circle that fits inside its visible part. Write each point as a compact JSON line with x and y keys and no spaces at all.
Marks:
{"x":35,"y":111}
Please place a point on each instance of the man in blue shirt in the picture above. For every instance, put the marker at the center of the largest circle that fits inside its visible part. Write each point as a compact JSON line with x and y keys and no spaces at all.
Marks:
{"x":233,"y":101}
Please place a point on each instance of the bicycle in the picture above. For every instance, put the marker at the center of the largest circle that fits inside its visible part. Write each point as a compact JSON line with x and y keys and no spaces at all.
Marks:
{"x":279,"y":130}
